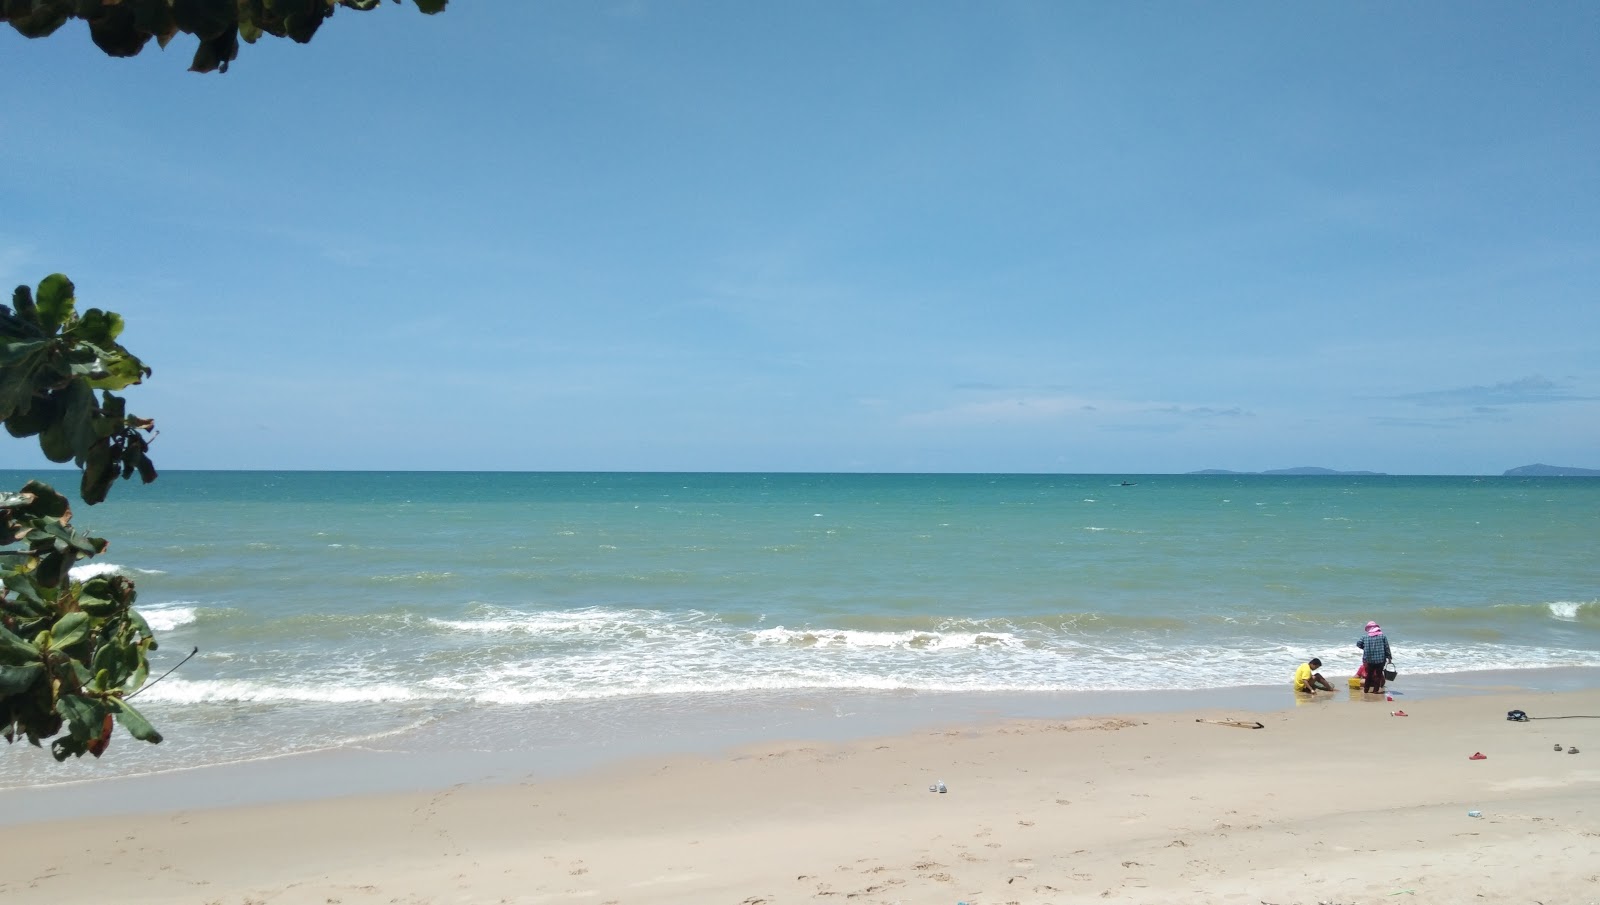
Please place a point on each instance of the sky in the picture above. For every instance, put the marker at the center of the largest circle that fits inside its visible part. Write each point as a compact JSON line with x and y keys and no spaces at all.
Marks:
{"x":837,"y":236}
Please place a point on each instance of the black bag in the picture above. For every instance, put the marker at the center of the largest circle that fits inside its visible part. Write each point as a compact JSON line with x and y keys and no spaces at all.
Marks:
{"x":1389,"y":672}
{"x":1516,"y":716}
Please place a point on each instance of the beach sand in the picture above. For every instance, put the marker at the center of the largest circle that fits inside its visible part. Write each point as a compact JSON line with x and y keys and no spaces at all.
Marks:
{"x":1335,"y":801}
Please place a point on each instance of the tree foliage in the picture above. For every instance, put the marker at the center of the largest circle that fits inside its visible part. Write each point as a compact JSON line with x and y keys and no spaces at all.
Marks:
{"x":71,"y":652}
{"x":122,"y":28}
{"x":52,"y":360}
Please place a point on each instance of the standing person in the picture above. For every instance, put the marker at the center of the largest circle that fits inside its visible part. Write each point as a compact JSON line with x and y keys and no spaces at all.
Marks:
{"x":1375,"y":653}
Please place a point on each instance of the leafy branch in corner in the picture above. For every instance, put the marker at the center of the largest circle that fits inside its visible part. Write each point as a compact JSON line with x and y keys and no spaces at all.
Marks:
{"x":51,"y":363}
{"x":122,"y":28}
{"x":71,"y":652}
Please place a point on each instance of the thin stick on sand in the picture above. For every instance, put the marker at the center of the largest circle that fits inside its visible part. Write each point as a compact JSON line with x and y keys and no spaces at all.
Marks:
{"x":1237,"y":724}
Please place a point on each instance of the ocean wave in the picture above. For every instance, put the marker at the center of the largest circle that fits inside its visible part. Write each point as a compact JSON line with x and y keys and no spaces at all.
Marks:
{"x":227,"y":691}
{"x":88,"y":570}
{"x":594,"y":621}
{"x":806,"y":667}
{"x":414,"y":577}
{"x":1575,"y":611}
{"x":1583,"y":612}
{"x":164,"y":617}
{"x":504,"y":657}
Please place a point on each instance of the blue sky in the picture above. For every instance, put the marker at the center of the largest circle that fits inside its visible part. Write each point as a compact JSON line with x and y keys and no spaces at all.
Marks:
{"x":1058,"y":237}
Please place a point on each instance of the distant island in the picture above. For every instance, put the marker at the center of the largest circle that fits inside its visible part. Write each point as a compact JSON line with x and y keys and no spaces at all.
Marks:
{"x":1302,"y":470}
{"x":1551,"y":471}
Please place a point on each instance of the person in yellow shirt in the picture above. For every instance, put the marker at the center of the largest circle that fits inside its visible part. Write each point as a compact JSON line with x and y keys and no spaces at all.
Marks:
{"x":1308,"y":680}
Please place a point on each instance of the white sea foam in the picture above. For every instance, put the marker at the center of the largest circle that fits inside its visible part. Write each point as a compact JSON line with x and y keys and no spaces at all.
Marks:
{"x":1567,"y":610}
{"x":215,"y":691}
{"x":90,"y":570}
{"x":844,"y":661}
{"x":869,"y":639}
{"x":164,"y":617}
{"x":588,"y":620}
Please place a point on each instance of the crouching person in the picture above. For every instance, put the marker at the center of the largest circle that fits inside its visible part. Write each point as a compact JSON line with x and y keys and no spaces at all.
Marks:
{"x":1307,"y":680}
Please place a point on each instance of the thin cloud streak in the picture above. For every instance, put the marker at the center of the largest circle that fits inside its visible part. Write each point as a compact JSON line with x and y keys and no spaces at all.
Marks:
{"x":1523,"y":391}
{"x":1053,"y":408}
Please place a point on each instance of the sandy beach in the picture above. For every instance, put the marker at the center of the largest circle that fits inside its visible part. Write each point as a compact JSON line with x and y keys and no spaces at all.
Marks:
{"x":1334,"y":801}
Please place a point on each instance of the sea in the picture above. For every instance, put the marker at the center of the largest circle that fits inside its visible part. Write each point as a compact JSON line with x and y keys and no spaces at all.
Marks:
{"x":518,"y":620}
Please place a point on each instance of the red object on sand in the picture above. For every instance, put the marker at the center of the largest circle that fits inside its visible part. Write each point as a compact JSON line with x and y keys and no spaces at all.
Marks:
{"x":1398,"y":713}
{"x":1479,"y":756}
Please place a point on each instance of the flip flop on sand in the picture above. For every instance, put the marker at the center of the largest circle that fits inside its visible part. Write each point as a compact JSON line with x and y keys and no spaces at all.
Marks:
{"x":1479,"y":756}
{"x":1558,"y":746}
{"x":1572,"y":750}
{"x":1398,"y":713}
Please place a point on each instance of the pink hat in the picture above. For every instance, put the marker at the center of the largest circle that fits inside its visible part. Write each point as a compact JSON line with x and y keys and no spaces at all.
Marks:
{"x":1373,"y":631}
{"x":1371,"y":626}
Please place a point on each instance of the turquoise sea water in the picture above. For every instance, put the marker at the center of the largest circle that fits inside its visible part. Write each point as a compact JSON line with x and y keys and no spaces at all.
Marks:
{"x":350,"y":609}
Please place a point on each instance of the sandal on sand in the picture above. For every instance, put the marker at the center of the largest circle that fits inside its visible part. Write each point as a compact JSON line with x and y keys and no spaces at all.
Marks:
{"x":1398,"y":713}
{"x":1479,"y":756}
{"x":1572,"y":750}
{"x":1558,"y":746}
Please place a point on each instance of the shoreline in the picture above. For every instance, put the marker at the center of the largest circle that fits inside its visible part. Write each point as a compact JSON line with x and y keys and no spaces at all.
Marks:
{"x":1327,"y":802}
{"x":462,"y":748}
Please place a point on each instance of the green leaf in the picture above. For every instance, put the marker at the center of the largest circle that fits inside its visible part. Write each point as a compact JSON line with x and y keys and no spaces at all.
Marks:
{"x":19,"y":362}
{"x":22,"y":300}
{"x":77,"y":416}
{"x":141,"y":626}
{"x":431,"y":6}
{"x":115,"y":32}
{"x":72,"y":628}
{"x":301,"y":24}
{"x":134,"y":721}
{"x":22,"y":589}
{"x":100,"y":328}
{"x":99,"y":472}
{"x":56,"y":442}
{"x":83,"y":715}
{"x":155,"y":17}
{"x":41,"y":20}
{"x":17,"y":679}
{"x":109,"y":658}
{"x":14,"y":650}
{"x":119,"y":370}
{"x":205,"y":19}
{"x":141,"y":670}
{"x":55,"y":301}
{"x":47,"y":502}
